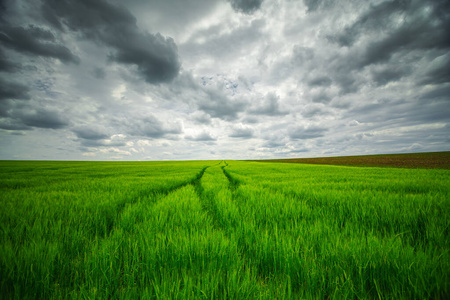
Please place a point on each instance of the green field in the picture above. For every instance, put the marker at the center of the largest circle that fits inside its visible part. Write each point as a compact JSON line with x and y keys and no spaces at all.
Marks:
{"x":222,"y":230}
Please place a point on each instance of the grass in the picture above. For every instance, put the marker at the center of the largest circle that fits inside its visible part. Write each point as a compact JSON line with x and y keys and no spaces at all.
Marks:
{"x":222,"y":230}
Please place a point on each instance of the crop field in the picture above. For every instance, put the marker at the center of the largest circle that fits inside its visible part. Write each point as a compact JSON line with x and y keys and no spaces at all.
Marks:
{"x":428,"y":160}
{"x":222,"y":230}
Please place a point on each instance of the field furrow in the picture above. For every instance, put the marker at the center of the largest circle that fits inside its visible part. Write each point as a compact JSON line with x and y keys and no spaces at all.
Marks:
{"x":220,"y":190}
{"x":222,"y":230}
{"x":328,"y":233}
{"x":45,"y":239}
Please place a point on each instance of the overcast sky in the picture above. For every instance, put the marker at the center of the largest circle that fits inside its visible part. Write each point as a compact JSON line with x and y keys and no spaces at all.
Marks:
{"x":237,"y":79}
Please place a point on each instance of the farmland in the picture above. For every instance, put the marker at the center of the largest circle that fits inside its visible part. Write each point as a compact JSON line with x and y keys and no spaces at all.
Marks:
{"x":427,"y":160}
{"x":222,"y":230}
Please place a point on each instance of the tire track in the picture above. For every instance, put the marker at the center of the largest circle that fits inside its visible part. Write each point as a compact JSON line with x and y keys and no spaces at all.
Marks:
{"x":217,"y":198}
{"x":153,"y":195}
{"x":244,"y":235}
{"x":234,"y":184}
{"x":207,"y":201}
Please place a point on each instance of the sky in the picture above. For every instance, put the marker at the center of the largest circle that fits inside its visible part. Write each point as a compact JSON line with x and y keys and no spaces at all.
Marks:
{"x":217,"y":79}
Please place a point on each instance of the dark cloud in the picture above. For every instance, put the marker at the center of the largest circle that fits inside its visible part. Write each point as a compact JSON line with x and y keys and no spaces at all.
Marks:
{"x":12,"y":124}
{"x":320,"y":97}
{"x":439,"y":73}
{"x":418,"y":30}
{"x":13,"y":90}
{"x":9,"y":93}
{"x":242,"y":132}
{"x":42,"y":118}
{"x":320,"y":81}
{"x":427,"y":112}
{"x":180,"y":85}
{"x":388,"y":39}
{"x":99,"y":73}
{"x":304,"y":133}
{"x":211,"y":99}
{"x":201,"y":118}
{"x":269,"y":107}
{"x":25,"y":118}
{"x":442,"y":93}
{"x":348,"y":81}
{"x":403,"y":39}
{"x":376,"y":18}
{"x":373,"y":112}
{"x":4,"y":108}
{"x":202,"y":137}
{"x":314,"y":111}
{"x":90,"y":132}
{"x":274,"y":144}
{"x":246,"y":6}
{"x":147,"y":126}
{"x":218,"y":105}
{"x":250,"y":120}
{"x":155,"y":56}
{"x":383,"y":77}
{"x":313,"y":5}
{"x":6,"y":65}
{"x":300,"y":150}
{"x":430,"y":107}
{"x":35,"y":41}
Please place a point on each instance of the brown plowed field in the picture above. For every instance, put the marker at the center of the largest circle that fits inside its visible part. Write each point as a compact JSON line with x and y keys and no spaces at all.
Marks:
{"x":431,"y":160}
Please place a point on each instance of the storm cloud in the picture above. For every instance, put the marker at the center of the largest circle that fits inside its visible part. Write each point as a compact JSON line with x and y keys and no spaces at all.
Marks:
{"x":218,"y":105}
{"x":148,"y":126}
{"x":155,"y":56}
{"x":6,"y":65}
{"x":304,"y":133}
{"x":13,"y":90}
{"x":28,"y":118}
{"x":92,"y":132}
{"x":199,"y":79}
{"x":35,"y":41}
{"x":43,"y":118}
{"x":246,"y":6}
{"x":415,"y":31}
